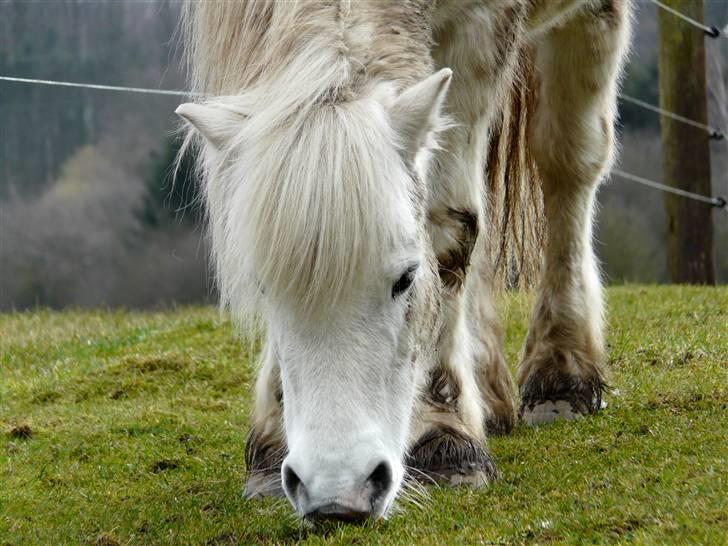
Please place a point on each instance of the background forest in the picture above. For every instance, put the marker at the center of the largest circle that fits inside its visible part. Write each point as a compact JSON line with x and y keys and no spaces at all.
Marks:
{"x":88,"y":215}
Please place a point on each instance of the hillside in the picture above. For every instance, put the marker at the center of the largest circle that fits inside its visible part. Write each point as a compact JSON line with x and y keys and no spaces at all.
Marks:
{"x":89,"y":216}
{"x":124,"y":427}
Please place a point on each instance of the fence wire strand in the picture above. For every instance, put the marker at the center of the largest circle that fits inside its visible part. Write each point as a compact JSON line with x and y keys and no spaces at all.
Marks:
{"x":56,"y":83}
{"x":718,"y":202}
{"x":714,"y":132}
{"x":713,"y":32}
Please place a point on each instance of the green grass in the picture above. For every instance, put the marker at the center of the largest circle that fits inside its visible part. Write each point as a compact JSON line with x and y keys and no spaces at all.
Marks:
{"x":125,"y":427}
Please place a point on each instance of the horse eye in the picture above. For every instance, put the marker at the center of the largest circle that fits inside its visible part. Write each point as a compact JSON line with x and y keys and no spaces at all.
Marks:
{"x":404,"y":282}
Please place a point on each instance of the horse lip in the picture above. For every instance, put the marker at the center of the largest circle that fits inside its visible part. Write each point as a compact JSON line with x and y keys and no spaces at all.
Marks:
{"x":338,"y":511}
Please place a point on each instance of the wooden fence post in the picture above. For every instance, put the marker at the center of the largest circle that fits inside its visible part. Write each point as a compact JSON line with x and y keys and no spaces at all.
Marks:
{"x":686,"y":149}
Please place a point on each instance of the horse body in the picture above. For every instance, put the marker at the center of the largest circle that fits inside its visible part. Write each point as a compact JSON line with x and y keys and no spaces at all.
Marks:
{"x":344,"y":159}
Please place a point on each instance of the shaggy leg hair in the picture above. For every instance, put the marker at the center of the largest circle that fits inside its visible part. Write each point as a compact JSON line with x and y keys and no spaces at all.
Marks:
{"x":446,"y":446}
{"x":578,"y":61}
{"x":266,"y":447}
{"x":471,"y":390}
{"x":444,"y":454}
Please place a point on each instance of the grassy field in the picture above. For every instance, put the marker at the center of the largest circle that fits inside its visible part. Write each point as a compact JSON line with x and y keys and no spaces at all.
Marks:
{"x":122,"y":427}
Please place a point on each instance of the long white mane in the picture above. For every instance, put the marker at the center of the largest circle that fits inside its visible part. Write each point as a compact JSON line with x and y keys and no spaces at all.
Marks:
{"x":302,"y":193}
{"x":302,"y":205}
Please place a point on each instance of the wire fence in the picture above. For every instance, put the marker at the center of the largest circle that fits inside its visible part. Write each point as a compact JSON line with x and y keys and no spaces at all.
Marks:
{"x":714,"y":133}
{"x":713,"y":32}
{"x":718,"y":202}
{"x":56,"y":83}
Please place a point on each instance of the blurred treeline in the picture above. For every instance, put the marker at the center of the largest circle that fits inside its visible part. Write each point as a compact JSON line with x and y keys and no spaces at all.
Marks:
{"x":88,"y":212}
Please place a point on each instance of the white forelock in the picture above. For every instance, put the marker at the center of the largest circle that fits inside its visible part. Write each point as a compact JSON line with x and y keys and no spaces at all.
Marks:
{"x":305,"y":203}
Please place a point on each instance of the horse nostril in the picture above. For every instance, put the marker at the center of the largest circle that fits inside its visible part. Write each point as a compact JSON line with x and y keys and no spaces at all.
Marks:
{"x":337,"y":512}
{"x":380,"y":480}
{"x":338,"y":495}
{"x":291,"y":481}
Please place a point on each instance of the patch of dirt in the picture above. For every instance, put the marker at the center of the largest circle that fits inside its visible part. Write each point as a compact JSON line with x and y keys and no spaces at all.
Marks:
{"x":540,"y":535}
{"x":21,"y":432}
{"x":164,"y":464}
{"x":105,"y":540}
{"x":45,"y":397}
{"x":223,"y":538}
{"x":623,"y":528}
{"x":210,"y":507}
{"x":678,"y":403}
{"x":118,"y":394}
{"x":687,"y":357}
{"x":189,"y":439}
{"x":190,"y":442}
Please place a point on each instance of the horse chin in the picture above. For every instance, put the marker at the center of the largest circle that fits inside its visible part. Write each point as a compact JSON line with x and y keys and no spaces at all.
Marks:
{"x":345,"y":511}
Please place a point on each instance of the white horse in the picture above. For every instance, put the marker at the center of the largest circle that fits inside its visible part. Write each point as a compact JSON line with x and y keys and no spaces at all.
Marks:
{"x":343,"y":155}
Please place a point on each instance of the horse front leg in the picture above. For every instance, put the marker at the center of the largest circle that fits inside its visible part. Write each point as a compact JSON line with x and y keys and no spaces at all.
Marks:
{"x":562,"y":371}
{"x":470,"y":390}
{"x":266,"y":445}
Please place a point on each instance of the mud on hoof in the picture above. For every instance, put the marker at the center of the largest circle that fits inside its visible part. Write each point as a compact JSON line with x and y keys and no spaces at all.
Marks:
{"x":547,"y":396}
{"x":447,"y":456}
{"x":500,"y":424}
{"x":263,"y":458}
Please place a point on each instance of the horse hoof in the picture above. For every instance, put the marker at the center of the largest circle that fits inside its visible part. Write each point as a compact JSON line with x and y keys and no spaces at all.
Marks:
{"x":548,"y":412}
{"x":264,"y":455}
{"x":446,"y":456}
{"x":475,"y":480}
{"x":552,"y":396}
{"x":263,"y":484}
{"x":500,"y":425}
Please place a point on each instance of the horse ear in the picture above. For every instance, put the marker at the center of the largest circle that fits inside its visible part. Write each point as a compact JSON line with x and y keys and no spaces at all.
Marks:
{"x":216,"y":122}
{"x":416,"y":112}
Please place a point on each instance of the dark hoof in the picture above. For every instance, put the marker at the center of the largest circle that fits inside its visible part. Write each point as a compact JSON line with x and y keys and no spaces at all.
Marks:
{"x":498,"y":425}
{"x":547,"y":396}
{"x":262,"y":484}
{"x":263,"y":458}
{"x":447,"y":456}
